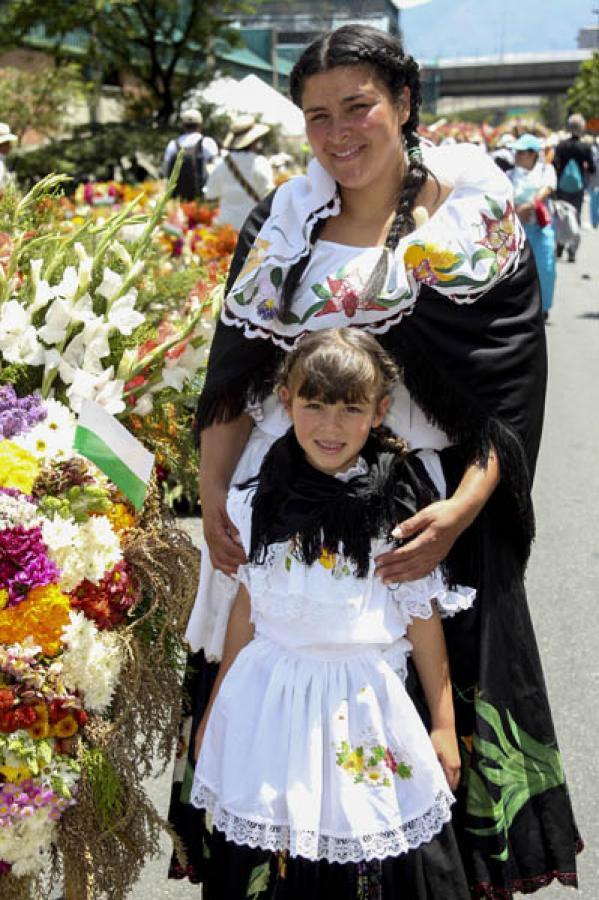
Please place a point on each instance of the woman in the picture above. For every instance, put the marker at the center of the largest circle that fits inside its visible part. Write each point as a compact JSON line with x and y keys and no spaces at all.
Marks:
{"x":534,"y":183}
{"x":244,"y":176}
{"x":423,"y":249}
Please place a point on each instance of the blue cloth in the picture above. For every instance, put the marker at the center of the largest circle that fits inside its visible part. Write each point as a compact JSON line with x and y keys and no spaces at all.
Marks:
{"x":594,"y":198}
{"x":542,"y":242}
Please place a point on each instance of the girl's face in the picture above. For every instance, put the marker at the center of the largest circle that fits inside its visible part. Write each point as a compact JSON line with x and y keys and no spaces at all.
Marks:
{"x":354,"y":126}
{"x":332,"y":434}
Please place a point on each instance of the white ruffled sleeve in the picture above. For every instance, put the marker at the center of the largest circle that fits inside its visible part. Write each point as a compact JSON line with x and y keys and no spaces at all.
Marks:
{"x":418,"y":598}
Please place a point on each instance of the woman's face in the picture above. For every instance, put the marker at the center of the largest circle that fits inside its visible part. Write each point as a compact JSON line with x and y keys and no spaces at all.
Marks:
{"x":354,"y":126}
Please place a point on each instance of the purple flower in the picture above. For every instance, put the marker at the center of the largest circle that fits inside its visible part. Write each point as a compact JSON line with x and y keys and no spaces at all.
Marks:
{"x":17,"y":495}
{"x":4,"y":867}
{"x":19,"y":414}
{"x":24,"y":562}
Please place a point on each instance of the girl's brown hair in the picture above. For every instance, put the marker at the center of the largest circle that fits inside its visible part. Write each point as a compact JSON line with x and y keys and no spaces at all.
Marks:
{"x":339,"y":364}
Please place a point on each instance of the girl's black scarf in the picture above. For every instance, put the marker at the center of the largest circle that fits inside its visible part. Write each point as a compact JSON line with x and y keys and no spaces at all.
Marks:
{"x":295,"y":501}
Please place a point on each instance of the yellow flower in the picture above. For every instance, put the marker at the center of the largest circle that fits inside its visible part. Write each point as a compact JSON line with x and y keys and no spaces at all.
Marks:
{"x":3,"y":597}
{"x":255,"y":256}
{"x":41,"y":615}
{"x":429,"y":262}
{"x":15,"y":774}
{"x":120,"y":517}
{"x":65,"y":728}
{"x":374,"y":776}
{"x":327,"y":559}
{"x":354,"y":762}
{"x":18,"y":468}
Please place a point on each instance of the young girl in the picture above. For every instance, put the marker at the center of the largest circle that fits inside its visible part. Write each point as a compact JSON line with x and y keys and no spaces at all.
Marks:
{"x":310,"y":747}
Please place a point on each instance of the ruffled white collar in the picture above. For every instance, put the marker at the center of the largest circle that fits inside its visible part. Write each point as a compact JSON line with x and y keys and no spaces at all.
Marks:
{"x":470,"y":243}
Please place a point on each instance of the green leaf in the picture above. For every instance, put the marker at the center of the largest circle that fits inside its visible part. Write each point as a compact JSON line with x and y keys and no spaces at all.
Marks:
{"x":289,"y":318}
{"x":316,"y":307}
{"x":259,"y":880}
{"x":276,"y":276}
{"x":321,"y":291}
{"x":483,"y":253}
{"x":494,"y":207}
{"x":549,"y":756}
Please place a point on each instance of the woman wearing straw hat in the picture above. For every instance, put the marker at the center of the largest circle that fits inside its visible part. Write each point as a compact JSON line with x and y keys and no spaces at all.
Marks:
{"x":244,"y":176}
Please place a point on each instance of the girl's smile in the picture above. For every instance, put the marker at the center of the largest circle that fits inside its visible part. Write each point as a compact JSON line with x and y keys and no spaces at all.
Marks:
{"x":333,"y":434}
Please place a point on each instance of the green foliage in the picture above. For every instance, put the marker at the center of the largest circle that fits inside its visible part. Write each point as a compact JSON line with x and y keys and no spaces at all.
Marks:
{"x":25,"y":379}
{"x":107,"y":788}
{"x":38,"y":99}
{"x":554,"y":111}
{"x":165,"y":46}
{"x":583,"y":96}
{"x":93,"y":154}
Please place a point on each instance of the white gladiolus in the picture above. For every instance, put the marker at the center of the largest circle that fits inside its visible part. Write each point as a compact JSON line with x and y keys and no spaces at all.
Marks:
{"x":18,"y":337}
{"x":123,"y":316}
{"x":103,"y":389}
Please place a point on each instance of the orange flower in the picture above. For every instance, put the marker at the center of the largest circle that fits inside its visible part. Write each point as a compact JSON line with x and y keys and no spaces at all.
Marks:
{"x":41,"y":616}
{"x":66,"y":728}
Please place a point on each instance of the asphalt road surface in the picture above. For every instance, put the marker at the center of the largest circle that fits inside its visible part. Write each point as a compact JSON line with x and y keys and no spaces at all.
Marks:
{"x":563,"y":578}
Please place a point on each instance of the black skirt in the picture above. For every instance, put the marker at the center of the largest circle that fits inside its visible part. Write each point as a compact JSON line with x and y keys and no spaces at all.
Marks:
{"x":432,"y":872}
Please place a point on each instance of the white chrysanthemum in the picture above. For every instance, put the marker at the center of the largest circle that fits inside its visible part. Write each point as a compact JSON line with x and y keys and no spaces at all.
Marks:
{"x":92,"y":661}
{"x":53,"y":437}
{"x":82,"y":551}
{"x":16,"y":511}
{"x":26,"y":843}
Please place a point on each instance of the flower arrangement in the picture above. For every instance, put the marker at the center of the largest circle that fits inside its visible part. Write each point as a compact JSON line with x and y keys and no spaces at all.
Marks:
{"x":97,"y":311}
{"x":94,"y":591}
{"x":81,"y":617}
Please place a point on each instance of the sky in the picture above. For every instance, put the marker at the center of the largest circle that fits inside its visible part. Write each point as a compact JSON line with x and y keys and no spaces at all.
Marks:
{"x":450,"y":28}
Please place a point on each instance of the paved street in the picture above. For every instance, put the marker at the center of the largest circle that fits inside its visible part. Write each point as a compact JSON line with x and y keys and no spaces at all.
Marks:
{"x":564,"y":571}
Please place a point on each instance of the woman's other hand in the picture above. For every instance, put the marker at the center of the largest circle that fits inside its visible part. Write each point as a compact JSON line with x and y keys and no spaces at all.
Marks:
{"x":224,"y":544}
{"x":445,"y":742}
{"x":431,"y":534}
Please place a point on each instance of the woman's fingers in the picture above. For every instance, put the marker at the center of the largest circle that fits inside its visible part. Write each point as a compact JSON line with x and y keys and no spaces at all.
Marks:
{"x":224,"y":544}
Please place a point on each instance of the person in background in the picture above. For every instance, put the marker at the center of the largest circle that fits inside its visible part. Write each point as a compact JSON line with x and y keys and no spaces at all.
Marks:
{"x":534,"y":183}
{"x":199,"y":151}
{"x":503,"y":154}
{"x":243,"y":177}
{"x":593,"y":185}
{"x":573,"y":163}
{"x":7,"y":139}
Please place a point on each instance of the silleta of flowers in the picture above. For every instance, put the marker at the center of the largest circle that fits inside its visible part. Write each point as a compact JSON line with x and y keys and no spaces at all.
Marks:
{"x":94,"y":594}
{"x":70,"y":600}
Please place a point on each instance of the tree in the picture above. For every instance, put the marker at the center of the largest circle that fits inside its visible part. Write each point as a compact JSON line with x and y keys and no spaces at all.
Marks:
{"x":554,"y":111}
{"x":583,"y":96}
{"x":166,"y":45}
{"x":38,"y":100}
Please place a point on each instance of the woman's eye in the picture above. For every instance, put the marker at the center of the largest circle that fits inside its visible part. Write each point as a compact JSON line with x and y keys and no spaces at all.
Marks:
{"x":356,"y":106}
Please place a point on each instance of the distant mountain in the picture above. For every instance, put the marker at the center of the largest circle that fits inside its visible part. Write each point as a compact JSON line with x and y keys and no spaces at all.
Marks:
{"x":449,"y":28}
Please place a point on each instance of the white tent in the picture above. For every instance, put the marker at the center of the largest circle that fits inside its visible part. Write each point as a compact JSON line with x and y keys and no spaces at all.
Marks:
{"x":252,"y":95}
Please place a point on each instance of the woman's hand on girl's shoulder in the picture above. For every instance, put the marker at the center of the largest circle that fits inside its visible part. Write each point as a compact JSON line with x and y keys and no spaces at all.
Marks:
{"x":430,"y":535}
{"x":445,"y":742}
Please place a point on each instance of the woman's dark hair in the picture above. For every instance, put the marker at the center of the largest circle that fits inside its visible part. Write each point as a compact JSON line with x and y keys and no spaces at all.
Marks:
{"x":362,"y":45}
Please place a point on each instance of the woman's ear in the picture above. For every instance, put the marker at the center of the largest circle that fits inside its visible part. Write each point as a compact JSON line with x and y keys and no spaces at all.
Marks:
{"x":404,"y":105}
{"x":382,"y":408}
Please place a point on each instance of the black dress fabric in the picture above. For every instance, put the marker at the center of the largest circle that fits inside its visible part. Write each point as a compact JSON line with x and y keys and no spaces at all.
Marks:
{"x":478,"y":371}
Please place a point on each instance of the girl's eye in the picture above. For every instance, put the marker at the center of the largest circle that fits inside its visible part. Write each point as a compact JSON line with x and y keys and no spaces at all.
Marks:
{"x":312,"y":405}
{"x":353,"y":409}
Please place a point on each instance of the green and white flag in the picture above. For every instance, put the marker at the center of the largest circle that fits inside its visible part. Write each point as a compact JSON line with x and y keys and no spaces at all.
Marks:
{"x":108,"y":444}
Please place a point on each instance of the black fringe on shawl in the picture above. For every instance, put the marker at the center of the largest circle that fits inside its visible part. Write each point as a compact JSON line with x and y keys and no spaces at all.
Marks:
{"x":295,"y":501}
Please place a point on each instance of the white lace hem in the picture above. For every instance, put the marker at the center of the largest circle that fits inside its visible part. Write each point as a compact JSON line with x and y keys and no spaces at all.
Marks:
{"x":314,"y":846}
